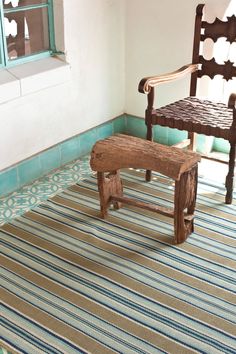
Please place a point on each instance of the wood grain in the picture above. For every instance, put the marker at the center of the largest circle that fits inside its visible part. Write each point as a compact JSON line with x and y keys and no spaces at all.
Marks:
{"x":123,"y":151}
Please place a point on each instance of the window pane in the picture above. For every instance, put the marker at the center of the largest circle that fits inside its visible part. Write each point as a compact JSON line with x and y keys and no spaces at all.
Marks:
{"x":11,"y":4}
{"x":26,"y":32}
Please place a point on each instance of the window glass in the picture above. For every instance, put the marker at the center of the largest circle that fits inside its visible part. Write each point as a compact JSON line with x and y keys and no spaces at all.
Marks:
{"x":26,"y":32}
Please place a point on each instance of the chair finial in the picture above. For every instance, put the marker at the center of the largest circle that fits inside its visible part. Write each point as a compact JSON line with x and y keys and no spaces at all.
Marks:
{"x":199,"y":9}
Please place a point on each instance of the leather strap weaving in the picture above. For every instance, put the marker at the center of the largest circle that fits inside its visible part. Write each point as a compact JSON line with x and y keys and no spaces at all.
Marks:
{"x":206,"y":117}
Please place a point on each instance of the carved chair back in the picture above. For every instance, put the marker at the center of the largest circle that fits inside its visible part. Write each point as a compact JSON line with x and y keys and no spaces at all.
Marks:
{"x":214,"y":31}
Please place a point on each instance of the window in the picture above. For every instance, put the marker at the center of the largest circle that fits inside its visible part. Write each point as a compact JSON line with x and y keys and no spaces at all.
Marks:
{"x":26,"y":31}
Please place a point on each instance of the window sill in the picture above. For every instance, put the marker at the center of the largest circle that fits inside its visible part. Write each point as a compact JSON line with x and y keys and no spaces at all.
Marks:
{"x":31,"y":77}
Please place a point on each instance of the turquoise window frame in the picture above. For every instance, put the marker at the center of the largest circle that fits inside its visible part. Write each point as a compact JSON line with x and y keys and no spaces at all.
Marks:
{"x":4,"y":61}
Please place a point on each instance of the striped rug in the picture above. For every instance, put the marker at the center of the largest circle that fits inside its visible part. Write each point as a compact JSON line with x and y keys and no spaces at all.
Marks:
{"x":73,"y":283}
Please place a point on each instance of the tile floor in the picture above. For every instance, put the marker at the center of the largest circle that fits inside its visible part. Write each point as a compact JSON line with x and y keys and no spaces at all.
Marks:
{"x":29,"y":196}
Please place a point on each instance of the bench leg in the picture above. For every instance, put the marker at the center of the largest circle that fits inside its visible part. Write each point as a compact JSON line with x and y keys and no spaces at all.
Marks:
{"x":185,"y":201}
{"x":108,"y":186}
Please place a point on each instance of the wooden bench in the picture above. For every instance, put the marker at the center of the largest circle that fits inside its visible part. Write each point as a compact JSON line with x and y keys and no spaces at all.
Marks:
{"x":123,"y":151}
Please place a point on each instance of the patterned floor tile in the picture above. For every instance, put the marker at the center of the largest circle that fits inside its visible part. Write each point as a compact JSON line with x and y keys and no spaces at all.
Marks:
{"x":29,"y":196}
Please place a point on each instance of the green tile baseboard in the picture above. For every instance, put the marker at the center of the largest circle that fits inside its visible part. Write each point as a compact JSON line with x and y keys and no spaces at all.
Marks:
{"x":169,"y":136}
{"x":162,"y":135}
{"x":76,"y":147}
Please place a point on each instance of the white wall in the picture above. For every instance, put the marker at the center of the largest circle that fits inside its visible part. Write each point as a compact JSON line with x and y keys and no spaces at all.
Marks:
{"x":94,"y":45}
{"x":94,"y":40}
{"x":159,"y":37}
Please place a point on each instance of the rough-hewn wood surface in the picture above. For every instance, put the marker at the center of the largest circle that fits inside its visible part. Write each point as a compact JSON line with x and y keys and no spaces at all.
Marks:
{"x":109,"y":185}
{"x":185,"y":199}
{"x":122,"y":151}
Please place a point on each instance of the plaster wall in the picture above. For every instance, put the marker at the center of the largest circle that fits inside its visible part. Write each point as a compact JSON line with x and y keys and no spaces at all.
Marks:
{"x":93,"y":40}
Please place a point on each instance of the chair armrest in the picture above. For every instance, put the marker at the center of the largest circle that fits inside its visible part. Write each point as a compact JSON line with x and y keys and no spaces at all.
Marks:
{"x":232,"y":100}
{"x":147,"y":83}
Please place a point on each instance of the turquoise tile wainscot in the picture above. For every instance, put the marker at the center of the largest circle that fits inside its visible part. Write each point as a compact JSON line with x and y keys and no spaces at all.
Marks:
{"x":50,"y":159}
{"x":175,"y":136}
{"x":37,"y":166}
{"x":160,"y":134}
{"x":105,"y":130}
{"x":87,"y":141}
{"x":119,"y":124}
{"x":221,"y":145}
{"x":8,"y":181}
{"x":135,"y":126}
{"x":70,"y":149}
{"x":168,"y":136}
{"x":29,"y":170}
{"x":74,"y":148}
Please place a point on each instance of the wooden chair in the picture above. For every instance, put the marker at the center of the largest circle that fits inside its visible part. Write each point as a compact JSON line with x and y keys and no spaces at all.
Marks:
{"x":193,"y":114}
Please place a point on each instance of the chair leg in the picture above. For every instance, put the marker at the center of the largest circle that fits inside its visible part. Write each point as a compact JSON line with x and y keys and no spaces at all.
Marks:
{"x":108,"y":186}
{"x":193,"y":141}
{"x":229,"y":182}
{"x":185,"y":199}
{"x":149,"y":137}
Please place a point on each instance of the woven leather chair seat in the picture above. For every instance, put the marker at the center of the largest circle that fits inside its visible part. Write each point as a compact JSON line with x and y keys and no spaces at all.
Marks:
{"x":197,"y":116}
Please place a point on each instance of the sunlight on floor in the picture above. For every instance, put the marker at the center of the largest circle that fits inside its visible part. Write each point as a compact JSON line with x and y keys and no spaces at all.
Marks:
{"x":215,"y":171}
